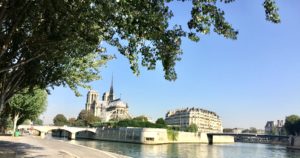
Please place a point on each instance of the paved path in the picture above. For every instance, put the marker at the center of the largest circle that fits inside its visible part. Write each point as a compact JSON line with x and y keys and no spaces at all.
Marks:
{"x":35,"y":147}
{"x":293,"y":147}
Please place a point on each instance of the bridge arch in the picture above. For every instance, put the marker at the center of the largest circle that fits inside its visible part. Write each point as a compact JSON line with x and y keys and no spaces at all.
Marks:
{"x":61,"y":133}
{"x":85,"y":134}
{"x":45,"y":129}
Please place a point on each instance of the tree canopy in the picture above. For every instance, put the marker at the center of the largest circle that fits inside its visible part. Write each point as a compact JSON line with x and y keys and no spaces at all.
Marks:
{"x":27,"y":105}
{"x":87,"y":118}
{"x":141,"y":118}
{"x":192,"y":128}
{"x":52,"y":43}
{"x":60,"y":120}
{"x":160,"y":121}
{"x":251,"y":130}
{"x":38,"y":122}
{"x":138,"y":123}
{"x":292,"y":124}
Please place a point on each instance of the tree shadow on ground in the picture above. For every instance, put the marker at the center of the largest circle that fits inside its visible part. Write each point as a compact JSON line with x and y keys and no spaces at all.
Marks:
{"x":13,"y":149}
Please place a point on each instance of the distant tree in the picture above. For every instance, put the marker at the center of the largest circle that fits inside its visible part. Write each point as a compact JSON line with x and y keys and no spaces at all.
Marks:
{"x":246,"y":131}
{"x":82,"y":115}
{"x":88,"y":118}
{"x":273,"y":131}
{"x":192,"y":128}
{"x":252,"y":130}
{"x":292,"y":125}
{"x":72,"y":121}
{"x":160,"y":121}
{"x":27,"y":105}
{"x":37,"y":122}
{"x":227,"y":130}
{"x":79,"y":123}
{"x":141,"y":118}
{"x":93,"y":120}
{"x":138,"y":123}
{"x":60,"y":120}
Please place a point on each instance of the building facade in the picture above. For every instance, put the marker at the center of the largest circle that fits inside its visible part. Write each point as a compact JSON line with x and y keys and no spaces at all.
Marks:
{"x":275,"y":128}
{"x":108,"y":108}
{"x":206,"y":121}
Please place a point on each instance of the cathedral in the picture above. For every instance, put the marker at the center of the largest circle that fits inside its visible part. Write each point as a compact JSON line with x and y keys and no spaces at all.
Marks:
{"x":108,"y":108}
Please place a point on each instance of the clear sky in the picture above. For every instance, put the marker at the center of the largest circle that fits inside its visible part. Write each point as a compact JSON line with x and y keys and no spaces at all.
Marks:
{"x":246,"y":82}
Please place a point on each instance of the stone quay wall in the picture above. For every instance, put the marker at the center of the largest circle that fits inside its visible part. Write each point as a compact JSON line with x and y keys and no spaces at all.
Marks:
{"x":297,"y":141}
{"x":190,"y":137}
{"x":294,"y":142}
{"x":223,"y":139}
{"x":151,"y":136}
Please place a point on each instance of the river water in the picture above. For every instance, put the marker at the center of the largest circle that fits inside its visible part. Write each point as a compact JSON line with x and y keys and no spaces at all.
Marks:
{"x":236,"y":150}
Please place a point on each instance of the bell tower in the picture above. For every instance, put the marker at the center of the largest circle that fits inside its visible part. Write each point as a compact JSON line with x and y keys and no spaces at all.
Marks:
{"x":91,"y":101}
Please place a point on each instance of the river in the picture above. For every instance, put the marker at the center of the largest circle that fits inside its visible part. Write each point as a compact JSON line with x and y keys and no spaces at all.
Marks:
{"x":236,"y":150}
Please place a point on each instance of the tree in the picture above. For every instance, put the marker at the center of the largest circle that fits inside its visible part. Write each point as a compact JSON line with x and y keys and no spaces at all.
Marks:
{"x":227,"y":130}
{"x":27,"y":105}
{"x":38,"y":122}
{"x":79,"y":123}
{"x":50,"y":43}
{"x":88,"y":118}
{"x":160,"y":121}
{"x":246,"y":131}
{"x":141,"y":118}
{"x":72,"y":121}
{"x":138,"y":123}
{"x":60,"y":120}
{"x":252,"y":130}
{"x":292,"y":125}
{"x":27,"y":122}
{"x":192,"y":128}
{"x":5,"y":120}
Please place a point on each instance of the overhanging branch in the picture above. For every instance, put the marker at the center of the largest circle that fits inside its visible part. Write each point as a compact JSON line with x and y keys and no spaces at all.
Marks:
{"x":20,"y":64}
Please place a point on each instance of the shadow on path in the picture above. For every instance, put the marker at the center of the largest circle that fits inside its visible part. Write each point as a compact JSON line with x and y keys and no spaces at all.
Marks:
{"x":13,"y":149}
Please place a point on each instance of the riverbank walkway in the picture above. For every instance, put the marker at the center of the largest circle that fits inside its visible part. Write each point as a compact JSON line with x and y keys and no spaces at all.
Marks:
{"x":35,"y":147}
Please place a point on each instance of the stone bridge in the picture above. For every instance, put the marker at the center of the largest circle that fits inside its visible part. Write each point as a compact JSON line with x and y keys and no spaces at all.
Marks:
{"x":250,"y":137}
{"x":44,"y":129}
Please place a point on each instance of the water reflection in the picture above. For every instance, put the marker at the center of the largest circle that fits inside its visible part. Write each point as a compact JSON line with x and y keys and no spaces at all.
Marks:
{"x":237,"y":150}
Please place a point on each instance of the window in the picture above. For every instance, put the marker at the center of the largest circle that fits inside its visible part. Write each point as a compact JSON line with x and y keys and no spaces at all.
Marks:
{"x":149,"y":139}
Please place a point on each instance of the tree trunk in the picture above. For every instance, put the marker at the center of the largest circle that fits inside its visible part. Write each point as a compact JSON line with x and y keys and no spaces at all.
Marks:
{"x":2,"y":102}
{"x":16,"y":118}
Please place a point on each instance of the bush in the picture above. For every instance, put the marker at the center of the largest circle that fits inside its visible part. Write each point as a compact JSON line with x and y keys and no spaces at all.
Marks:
{"x":172,"y":135}
{"x":160,"y":121}
{"x":192,"y":128}
{"x":138,"y":123}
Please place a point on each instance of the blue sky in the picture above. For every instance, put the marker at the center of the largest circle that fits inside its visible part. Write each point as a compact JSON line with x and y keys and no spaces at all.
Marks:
{"x":246,"y":81}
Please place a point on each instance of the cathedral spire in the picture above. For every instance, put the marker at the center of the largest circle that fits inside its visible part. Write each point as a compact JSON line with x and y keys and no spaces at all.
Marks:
{"x":111,"y":91}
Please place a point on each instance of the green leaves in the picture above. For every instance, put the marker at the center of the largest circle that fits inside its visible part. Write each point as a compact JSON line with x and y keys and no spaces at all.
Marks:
{"x":292,"y":124}
{"x":192,"y":128}
{"x":206,"y":15}
{"x":51,"y":43}
{"x":87,"y":118}
{"x":28,"y":104}
{"x":271,"y":10}
{"x":60,"y":120}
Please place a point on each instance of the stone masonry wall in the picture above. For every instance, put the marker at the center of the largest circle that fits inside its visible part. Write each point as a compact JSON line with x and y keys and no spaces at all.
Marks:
{"x":150,"y":136}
